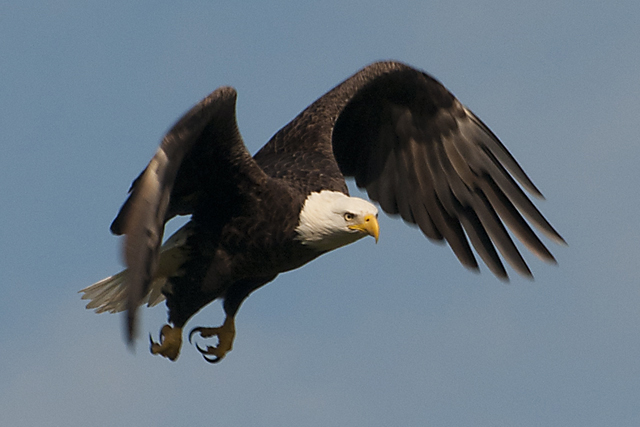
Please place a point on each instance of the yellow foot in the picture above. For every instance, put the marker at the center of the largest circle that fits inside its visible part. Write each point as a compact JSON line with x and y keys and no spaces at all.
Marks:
{"x":225,"y":333}
{"x":170,"y":342}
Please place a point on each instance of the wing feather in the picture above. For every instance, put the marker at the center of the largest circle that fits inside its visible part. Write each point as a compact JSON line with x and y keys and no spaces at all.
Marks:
{"x":201,"y":158}
{"x":424,"y":210}
{"x":421,"y":154}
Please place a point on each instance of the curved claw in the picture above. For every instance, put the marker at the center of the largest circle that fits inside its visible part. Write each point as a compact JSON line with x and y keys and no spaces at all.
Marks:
{"x":193,"y":331}
{"x":200,"y":329}
{"x":209,"y":351}
{"x":212,"y":361}
{"x":225,"y":333}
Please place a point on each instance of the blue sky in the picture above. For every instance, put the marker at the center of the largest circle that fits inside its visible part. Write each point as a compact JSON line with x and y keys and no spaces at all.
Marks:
{"x":371,"y":335}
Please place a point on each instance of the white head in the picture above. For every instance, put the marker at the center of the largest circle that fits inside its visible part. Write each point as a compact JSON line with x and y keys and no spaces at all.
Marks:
{"x":330,"y":219}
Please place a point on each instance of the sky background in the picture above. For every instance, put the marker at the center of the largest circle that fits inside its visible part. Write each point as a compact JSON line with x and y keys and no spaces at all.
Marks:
{"x":370,"y":335}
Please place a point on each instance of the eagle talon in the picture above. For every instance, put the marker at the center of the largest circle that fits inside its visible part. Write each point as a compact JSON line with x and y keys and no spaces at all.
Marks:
{"x":170,"y":342}
{"x":204,"y":332}
{"x":211,"y":351}
{"x":225,"y":333}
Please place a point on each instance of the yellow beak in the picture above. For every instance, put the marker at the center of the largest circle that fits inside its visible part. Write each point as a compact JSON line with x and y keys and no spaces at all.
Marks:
{"x":369,"y":226}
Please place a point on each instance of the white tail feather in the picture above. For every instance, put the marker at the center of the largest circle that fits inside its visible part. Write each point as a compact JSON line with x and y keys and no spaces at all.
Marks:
{"x":110,"y":294}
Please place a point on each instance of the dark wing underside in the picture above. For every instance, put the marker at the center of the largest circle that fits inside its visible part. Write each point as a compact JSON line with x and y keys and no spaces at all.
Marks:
{"x":423,"y":155}
{"x":202,"y":159}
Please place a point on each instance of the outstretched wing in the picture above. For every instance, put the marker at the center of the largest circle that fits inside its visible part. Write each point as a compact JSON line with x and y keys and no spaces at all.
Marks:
{"x":202,"y":159}
{"x":423,"y":155}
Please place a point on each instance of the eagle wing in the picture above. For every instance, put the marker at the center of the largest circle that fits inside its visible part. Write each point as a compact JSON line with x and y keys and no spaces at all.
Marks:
{"x":421,"y":154}
{"x":201,"y":160}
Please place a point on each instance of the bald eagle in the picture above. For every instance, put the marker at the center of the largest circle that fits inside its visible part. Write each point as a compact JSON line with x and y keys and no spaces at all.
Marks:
{"x":408,"y":142}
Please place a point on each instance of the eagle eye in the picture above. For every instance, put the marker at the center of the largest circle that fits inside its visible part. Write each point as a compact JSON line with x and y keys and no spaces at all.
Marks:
{"x":349,"y":216}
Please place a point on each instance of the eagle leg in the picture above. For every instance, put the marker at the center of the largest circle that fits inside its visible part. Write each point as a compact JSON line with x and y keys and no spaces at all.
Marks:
{"x":225,"y":333}
{"x":170,"y":342}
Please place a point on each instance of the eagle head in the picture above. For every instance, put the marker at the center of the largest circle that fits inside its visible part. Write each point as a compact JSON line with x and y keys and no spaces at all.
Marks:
{"x":330,"y":219}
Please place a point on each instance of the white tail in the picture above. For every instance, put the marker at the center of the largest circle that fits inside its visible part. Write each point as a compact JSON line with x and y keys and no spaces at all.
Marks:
{"x":110,"y":294}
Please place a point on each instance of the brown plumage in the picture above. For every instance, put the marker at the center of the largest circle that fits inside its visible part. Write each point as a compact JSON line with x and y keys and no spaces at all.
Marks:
{"x":404,"y":137}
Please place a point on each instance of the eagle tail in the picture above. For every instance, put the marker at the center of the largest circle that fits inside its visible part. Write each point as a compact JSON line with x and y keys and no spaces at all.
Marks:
{"x":110,"y":294}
